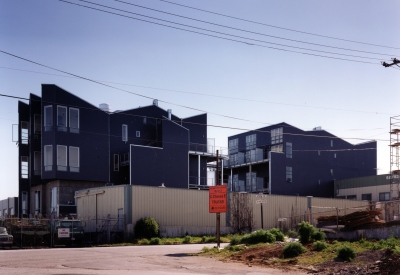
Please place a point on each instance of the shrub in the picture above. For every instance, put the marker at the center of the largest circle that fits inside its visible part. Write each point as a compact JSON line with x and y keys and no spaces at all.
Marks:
{"x":346,"y":253}
{"x":144,"y":242}
{"x":318,"y":235}
{"x":204,"y":239}
{"x":279,"y":236}
{"x":146,"y":228}
{"x":319,"y":246}
{"x":155,"y":241}
{"x":235,"y":248}
{"x":235,"y":240}
{"x":187,"y":239}
{"x":260,"y":236}
{"x":305,"y":232}
{"x":293,"y":250}
{"x":292,"y":234}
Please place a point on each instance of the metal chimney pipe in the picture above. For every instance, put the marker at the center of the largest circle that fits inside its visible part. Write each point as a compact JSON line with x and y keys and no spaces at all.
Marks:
{"x":169,"y":113}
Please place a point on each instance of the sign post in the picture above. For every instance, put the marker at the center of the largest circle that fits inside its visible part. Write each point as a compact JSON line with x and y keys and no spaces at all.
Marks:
{"x":261,"y":198}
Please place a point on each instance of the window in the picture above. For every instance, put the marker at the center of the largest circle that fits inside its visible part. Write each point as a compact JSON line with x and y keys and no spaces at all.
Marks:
{"x":289,"y":150}
{"x":233,"y":145}
{"x":48,"y":118}
{"x":331,"y":172}
{"x":341,"y":197}
{"x":384,"y":196}
{"x":124,"y":159}
{"x":24,"y":132}
{"x":251,"y":141}
{"x":24,"y":168}
{"x":331,"y":143}
{"x":48,"y":157}
{"x":74,"y":120}
{"x":73,"y":159}
{"x":366,"y":197}
{"x":319,"y":152}
{"x":37,"y":163}
{"x":61,"y":158}
{"x":352,"y":197}
{"x":37,"y":124}
{"x":289,"y":176}
{"x":276,"y":135}
{"x":235,"y":183}
{"x":54,"y":202}
{"x":116,"y":162}
{"x":277,"y":148}
{"x":145,"y":120}
{"x":124,"y":132}
{"x":251,"y":182}
{"x":233,"y":159}
{"x":37,"y":202}
{"x":62,"y":118}
{"x":24,"y":203}
{"x":137,"y":133}
{"x":334,"y":155}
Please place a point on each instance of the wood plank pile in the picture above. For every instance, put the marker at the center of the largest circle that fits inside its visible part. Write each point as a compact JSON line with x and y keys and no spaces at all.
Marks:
{"x":365,"y":219}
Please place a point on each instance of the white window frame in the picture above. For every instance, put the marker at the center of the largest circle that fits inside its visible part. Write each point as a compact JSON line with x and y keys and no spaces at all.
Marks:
{"x":251,"y":141}
{"x":74,"y":168}
{"x":48,"y":125}
{"x":24,"y":168}
{"x":24,"y":132}
{"x":233,"y":146}
{"x":48,"y":162}
{"x":59,"y":166}
{"x":277,"y":135}
{"x":74,"y":130}
{"x":116,"y":165}
{"x":124,"y":132}
{"x":62,"y":127}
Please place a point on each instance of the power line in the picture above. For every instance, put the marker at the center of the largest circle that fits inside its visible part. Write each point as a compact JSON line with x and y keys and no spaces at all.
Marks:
{"x":220,"y":96}
{"x":236,"y":36}
{"x":224,"y":38}
{"x":277,"y":27}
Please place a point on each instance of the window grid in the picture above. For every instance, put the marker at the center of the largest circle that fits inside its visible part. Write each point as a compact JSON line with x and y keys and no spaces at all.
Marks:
{"x":62,"y":118}
{"x":384,"y":196}
{"x":277,"y":148}
{"x":74,"y":120}
{"x":366,"y":197}
{"x":48,"y":157}
{"x":74,"y":159}
{"x":233,"y":146}
{"x":277,"y":135}
{"x":124,"y":132}
{"x":61,"y":158}
{"x":289,"y":174}
{"x":24,"y":167}
{"x":289,"y":150}
{"x":48,"y":118}
{"x":24,"y":132}
{"x":251,"y":141}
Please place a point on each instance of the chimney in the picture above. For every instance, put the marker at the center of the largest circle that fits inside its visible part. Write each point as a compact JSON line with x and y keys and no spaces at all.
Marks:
{"x":155,"y":102}
{"x":169,"y":113}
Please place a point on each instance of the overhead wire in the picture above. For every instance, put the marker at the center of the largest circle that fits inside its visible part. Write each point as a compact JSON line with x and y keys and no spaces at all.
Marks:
{"x":232,"y":35}
{"x":225,"y":38}
{"x":221,"y":96}
{"x":278,"y":27}
{"x":237,"y":29}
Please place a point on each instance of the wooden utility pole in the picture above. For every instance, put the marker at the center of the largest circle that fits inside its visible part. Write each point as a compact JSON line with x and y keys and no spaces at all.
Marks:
{"x":218,"y":223}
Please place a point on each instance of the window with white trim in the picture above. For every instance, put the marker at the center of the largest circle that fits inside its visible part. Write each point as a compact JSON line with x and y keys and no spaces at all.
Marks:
{"x":24,"y":167}
{"x":48,"y":118}
{"x":37,"y":202}
{"x":289,"y":175}
{"x":48,"y":158}
{"x":289,"y":148}
{"x":277,"y":135}
{"x":37,"y":125}
{"x":233,"y":145}
{"x":124,"y":132}
{"x":54,"y":201}
{"x":116,"y":162}
{"x":37,"y":163}
{"x":62,"y":118}
{"x":74,"y":120}
{"x":24,"y":203}
{"x":251,"y":141}
{"x":24,"y":132}
{"x":61,"y":158}
{"x":73,"y":159}
{"x":277,"y":148}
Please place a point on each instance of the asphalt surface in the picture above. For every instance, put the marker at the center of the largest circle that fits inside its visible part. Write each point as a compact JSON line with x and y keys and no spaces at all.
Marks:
{"x":154,"y":260}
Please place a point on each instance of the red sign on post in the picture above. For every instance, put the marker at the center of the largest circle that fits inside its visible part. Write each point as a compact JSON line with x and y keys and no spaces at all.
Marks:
{"x":218,"y":199}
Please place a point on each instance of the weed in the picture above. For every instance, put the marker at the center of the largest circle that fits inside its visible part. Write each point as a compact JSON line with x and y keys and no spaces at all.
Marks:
{"x":292,"y":250}
{"x":346,"y":253}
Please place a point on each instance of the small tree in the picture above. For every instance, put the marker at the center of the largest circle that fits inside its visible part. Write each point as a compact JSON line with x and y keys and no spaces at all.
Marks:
{"x":146,"y":228}
{"x":241,"y":213}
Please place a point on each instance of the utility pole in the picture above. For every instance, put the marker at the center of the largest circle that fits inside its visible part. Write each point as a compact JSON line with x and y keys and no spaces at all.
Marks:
{"x":218,"y":225}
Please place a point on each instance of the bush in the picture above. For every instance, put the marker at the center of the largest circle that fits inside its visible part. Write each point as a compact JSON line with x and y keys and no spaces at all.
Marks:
{"x":292,"y":234}
{"x":293,"y":249}
{"x":146,"y":228}
{"x":260,"y":236}
{"x":346,"y":253}
{"x":204,"y":239}
{"x":279,"y":236}
{"x":155,"y":241}
{"x":235,"y":240}
{"x":305,"y":232}
{"x":187,"y":239}
{"x":319,"y":246}
{"x":235,"y":248}
{"x":144,"y":242}
{"x":318,"y":235}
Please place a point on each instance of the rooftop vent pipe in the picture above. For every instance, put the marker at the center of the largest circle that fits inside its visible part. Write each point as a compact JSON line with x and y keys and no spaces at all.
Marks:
{"x":169,"y":113}
{"x":155,"y":102}
{"x":104,"y":107}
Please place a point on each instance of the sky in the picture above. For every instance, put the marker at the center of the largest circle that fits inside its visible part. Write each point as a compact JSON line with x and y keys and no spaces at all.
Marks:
{"x":252,"y":80}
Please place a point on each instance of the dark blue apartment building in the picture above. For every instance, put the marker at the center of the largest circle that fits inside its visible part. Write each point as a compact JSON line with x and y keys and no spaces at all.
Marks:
{"x":67,"y":144}
{"x":284,"y":160}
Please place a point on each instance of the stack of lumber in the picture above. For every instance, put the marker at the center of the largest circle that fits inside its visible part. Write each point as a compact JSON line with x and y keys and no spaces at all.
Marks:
{"x":365,"y":219}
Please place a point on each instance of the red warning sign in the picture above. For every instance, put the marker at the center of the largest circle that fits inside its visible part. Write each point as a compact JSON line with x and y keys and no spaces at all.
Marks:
{"x":218,"y":199}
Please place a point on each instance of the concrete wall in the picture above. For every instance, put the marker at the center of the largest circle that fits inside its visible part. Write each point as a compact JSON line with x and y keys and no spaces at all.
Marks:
{"x":377,"y":233}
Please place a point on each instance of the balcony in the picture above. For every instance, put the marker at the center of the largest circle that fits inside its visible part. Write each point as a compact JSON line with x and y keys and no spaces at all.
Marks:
{"x":254,"y":156}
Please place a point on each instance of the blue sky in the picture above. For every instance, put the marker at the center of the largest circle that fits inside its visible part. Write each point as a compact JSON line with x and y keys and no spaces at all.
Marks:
{"x":349,"y":99}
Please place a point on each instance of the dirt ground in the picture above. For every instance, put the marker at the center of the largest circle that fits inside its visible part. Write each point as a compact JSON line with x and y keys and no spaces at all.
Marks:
{"x":369,"y":262}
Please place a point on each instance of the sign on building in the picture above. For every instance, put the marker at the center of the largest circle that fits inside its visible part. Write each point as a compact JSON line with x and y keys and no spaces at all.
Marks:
{"x":63,"y":232}
{"x":217,"y":199}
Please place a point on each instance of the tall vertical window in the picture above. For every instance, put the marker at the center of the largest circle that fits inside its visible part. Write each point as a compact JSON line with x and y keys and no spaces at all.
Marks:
{"x":48,"y":118}
{"x":137,"y":133}
{"x":251,"y":141}
{"x":331,"y":143}
{"x":124,"y":132}
{"x":24,"y":132}
{"x":24,"y":203}
{"x":116,"y":162}
{"x":233,"y":145}
{"x":37,"y":202}
{"x":24,"y":167}
{"x":277,"y":135}
{"x":37,"y":163}
{"x":251,"y":182}
{"x":48,"y":157}
{"x":37,"y":125}
{"x":289,"y":150}
{"x":62,"y":118}
{"x":54,"y":201}
{"x":74,"y":120}
{"x":145,"y":120}
{"x":289,"y":175}
{"x":331,"y":172}
{"x":61,"y":158}
{"x":233,"y":159}
{"x":73,"y":159}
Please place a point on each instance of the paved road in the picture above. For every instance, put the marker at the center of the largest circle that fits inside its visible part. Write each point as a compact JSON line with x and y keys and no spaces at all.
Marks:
{"x":154,"y":260}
